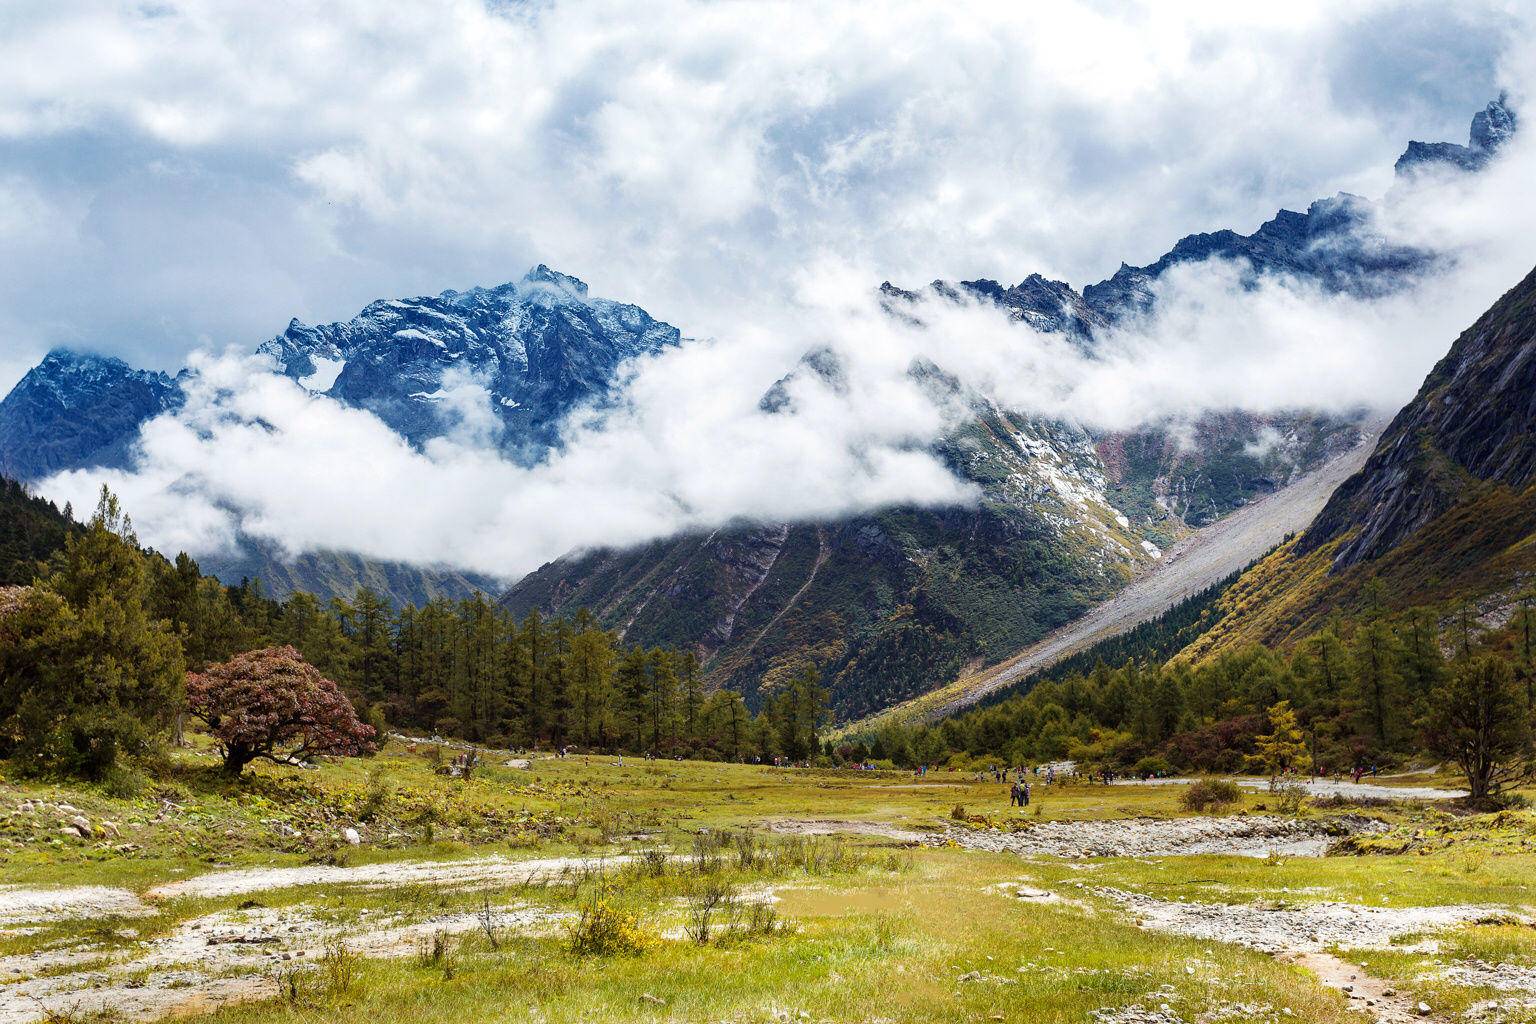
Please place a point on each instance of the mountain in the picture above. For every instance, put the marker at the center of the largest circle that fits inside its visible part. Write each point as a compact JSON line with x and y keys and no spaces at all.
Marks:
{"x":890,"y":603}
{"x":73,"y":410}
{"x":895,"y":603}
{"x":1492,"y":127}
{"x":1442,"y":513}
{"x":526,"y":353}
{"x":538,"y":348}
{"x":1333,"y":244}
{"x":340,"y":573}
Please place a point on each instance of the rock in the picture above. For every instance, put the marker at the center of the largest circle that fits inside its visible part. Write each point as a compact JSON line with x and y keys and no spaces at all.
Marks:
{"x":1422,"y":1009}
{"x":646,"y":997}
{"x":82,"y":824}
{"x":109,"y":828}
{"x":350,"y":837}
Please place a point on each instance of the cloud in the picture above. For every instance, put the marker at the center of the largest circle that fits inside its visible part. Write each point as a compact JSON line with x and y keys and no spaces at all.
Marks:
{"x":203,"y":171}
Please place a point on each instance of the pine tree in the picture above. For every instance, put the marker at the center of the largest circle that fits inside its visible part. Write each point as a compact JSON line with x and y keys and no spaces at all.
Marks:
{"x":85,"y":672}
{"x":1376,"y":691}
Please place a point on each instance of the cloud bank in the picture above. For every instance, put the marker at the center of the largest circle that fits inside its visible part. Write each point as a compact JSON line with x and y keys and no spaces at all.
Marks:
{"x":188,"y":173}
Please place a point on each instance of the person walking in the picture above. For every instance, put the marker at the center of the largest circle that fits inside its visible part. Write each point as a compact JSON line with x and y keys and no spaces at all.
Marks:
{"x":1024,"y":796}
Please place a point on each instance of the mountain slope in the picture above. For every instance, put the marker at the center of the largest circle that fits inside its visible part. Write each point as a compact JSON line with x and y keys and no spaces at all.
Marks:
{"x":75,"y":409}
{"x":340,"y":574}
{"x":1193,"y":566}
{"x":528,"y":352}
{"x":1443,"y":512}
{"x":894,"y":604}
{"x":31,"y":529}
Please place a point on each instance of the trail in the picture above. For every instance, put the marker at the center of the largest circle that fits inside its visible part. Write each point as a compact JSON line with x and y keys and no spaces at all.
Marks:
{"x":1196,"y":563}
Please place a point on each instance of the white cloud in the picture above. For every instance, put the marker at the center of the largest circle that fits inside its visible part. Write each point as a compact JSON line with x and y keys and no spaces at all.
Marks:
{"x":222,"y":167}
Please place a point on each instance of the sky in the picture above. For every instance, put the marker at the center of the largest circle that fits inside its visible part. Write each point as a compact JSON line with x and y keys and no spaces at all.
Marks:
{"x":177,"y":180}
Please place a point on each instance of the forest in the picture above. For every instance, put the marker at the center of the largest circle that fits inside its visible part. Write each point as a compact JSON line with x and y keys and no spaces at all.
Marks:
{"x":96,"y":651}
{"x":1365,"y":692}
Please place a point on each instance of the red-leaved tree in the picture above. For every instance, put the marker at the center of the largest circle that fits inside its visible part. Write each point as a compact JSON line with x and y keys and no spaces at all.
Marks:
{"x":273,"y":704}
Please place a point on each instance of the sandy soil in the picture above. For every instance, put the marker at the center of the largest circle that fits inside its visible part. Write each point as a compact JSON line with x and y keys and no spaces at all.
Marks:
{"x":480,"y":872}
{"x":23,"y":906}
{"x":832,"y":827}
{"x":220,"y":958}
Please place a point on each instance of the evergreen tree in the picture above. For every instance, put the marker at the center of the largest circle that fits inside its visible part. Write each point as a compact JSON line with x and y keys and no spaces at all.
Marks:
{"x":86,"y":673}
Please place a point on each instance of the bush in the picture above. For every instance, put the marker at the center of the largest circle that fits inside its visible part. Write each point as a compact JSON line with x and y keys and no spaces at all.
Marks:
{"x":604,"y":929}
{"x":1210,"y":794}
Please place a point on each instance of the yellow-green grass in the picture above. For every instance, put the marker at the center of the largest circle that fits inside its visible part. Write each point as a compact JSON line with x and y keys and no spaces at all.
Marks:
{"x":890,"y":940}
{"x":865,"y":947}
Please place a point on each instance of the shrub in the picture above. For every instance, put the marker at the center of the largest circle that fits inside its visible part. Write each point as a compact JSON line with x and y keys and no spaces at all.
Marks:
{"x":605,"y":929}
{"x":1210,"y":794}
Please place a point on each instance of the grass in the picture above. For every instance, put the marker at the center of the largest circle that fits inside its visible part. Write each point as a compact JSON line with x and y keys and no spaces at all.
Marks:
{"x":680,"y":929}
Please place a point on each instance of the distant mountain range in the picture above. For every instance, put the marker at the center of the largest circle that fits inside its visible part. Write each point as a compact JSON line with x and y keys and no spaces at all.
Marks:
{"x":889,"y":603}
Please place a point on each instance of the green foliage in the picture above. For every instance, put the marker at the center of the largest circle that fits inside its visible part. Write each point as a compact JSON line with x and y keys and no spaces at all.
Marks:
{"x":31,"y":529}
{"x":1347,"y":697}
{"x":87,"y":674}
{"x":1210,"y":794}
{"x":1480,"y":717}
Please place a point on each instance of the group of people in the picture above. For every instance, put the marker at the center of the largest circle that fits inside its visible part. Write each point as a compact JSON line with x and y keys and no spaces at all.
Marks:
{"x":1019,"y":795}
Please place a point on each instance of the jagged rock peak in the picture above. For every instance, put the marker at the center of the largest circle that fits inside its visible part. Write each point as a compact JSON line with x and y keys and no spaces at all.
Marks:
{"x":1492,"y":127}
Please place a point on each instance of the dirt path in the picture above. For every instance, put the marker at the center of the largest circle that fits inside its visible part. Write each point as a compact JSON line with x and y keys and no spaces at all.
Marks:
{"x":1364,"y":991}
{"x":1199,"y":561}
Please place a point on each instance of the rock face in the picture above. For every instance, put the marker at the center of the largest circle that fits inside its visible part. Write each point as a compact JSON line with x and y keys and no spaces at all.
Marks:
{"x":527,"y":352}
{"x":73,"y":410}
{"x":1492,"y":126}
{"x":1332,"y":244}
{"x":1472,"y":424}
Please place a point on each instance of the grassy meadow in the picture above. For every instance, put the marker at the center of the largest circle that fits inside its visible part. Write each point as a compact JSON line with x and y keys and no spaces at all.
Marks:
{"x":677,"y":901}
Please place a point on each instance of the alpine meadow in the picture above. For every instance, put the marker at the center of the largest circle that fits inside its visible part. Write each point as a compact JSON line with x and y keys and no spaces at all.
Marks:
{"x":743,"y":512}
